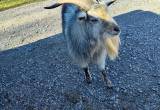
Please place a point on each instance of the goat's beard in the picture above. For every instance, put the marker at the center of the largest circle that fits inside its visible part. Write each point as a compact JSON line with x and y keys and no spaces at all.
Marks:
{"x":112,"y":46}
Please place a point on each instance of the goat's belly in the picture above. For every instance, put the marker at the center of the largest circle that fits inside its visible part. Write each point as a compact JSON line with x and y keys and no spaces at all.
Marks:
{"x":85,"y":54}
{"x":78,"y":55}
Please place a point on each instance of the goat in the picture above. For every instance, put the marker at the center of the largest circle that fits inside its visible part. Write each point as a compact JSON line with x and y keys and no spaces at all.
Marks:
{"x":90,"y":32}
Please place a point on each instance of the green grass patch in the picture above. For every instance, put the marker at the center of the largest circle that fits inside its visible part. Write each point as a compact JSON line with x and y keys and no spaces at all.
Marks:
{"x":6,"y":4}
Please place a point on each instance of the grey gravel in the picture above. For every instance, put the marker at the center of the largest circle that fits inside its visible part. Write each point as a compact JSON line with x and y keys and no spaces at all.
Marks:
{"x":41,"y":76}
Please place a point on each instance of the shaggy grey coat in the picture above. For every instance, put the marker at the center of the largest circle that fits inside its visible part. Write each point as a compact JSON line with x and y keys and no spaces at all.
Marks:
{"x":84,"y":38}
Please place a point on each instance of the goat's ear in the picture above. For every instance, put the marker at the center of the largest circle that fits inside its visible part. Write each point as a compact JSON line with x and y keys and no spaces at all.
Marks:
{"x":53,"y":6}
{"x":82,"y":16}
{"x":110,"y":2}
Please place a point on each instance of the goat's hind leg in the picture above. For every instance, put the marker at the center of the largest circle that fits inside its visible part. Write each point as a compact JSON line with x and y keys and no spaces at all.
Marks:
{"x":88,"y":77}
{"x":85,"y":67}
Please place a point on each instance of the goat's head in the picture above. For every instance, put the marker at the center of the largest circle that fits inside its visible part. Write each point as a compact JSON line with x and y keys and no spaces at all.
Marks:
{"x":95,"y":14}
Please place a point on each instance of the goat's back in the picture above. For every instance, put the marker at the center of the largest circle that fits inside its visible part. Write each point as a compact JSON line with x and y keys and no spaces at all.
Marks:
{"x":68,"y":16}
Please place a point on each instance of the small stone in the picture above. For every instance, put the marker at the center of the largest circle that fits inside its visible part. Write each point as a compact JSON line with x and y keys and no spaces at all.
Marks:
{"x":155,"y":89}
{"x":139,"y":90}
{"x":158,"y":83}
{"x":113,"y":98}
{"x":117,"y":89}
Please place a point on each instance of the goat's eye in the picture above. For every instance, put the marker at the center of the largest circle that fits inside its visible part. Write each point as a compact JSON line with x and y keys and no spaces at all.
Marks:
{"x":82,"y":18}
{"x":94,"y":20}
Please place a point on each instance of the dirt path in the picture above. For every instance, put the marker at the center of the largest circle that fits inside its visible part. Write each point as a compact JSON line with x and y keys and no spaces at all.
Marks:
{"x":27,"y":24}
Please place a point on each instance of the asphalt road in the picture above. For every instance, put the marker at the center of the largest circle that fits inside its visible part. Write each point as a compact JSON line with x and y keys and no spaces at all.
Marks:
{"x":41,"y":76}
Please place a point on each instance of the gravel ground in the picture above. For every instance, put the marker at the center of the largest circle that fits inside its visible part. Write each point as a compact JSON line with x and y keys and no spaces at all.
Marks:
{"x":40,"y":75}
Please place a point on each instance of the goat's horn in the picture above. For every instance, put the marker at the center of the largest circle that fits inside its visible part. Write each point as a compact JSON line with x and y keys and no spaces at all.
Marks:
{"x":53,"y":6}
{"x":84,"y":4}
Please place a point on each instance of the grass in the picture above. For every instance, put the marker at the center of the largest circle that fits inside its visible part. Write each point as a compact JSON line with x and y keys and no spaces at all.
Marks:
{"x":6,"y":4}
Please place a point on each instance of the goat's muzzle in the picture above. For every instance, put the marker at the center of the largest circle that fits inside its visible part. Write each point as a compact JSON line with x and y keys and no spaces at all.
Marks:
{"x":116,"y":30}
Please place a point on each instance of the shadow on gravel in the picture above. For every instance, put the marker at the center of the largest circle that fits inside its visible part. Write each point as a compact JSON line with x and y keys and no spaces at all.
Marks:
{"x":40,"y":76}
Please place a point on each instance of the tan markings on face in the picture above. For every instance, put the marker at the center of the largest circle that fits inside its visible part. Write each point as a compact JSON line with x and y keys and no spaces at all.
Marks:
{"x":112,"y":46}
{"x":100,"y":11}
{"x":111,"y":43}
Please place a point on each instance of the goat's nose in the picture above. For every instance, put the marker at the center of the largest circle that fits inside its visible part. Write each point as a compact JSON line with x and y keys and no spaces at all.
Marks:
{"x":116,"y":30}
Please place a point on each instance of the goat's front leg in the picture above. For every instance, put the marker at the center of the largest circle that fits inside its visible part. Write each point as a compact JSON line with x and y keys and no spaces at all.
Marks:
{"x":101,"y":64}
{"x":87,"y":75}
{"x":106,"y":79}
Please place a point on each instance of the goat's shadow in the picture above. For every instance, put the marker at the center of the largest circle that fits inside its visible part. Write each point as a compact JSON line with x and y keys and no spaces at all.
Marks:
{"x":40,"y":75}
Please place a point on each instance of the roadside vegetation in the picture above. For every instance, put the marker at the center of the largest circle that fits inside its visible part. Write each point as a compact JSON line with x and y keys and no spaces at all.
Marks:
{"x":6,"y":4}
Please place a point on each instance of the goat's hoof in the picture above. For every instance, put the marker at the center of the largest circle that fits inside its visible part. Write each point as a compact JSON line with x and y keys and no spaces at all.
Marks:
{"x":89,"y":81}
{"x":109,"y":84}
